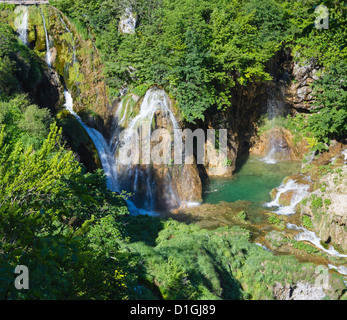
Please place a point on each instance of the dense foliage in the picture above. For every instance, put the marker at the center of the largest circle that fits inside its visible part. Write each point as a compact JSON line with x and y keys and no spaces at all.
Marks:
{"x":205,"y":52}
{"x":71,"y":231}
{"x":52,"y":213}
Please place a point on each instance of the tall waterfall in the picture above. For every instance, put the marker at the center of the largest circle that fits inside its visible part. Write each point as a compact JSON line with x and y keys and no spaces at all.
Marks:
{"x":103,"y":148}
{"x":99,"y":141}
{"x":105,"y":154}
{"x":275,"y":107}
{"x":21,"y":23}
{"x":138,"y":178}
{"x":48,"y":49}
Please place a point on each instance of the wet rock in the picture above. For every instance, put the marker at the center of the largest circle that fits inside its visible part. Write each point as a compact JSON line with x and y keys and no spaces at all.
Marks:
{"x":285,"y":198}
{"x":279,"y":142}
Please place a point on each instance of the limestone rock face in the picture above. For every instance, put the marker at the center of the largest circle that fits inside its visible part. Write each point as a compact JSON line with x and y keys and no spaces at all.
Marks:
{"x":299,"y":291}
{"x":282,"y":139}
{"x":329,"y":213}
{"x":299,"y":92}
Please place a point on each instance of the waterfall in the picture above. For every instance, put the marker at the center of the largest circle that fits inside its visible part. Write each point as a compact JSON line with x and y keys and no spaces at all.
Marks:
{"x":21,"y":24}
{"x":98,"y":140}
{"x":299,"y":192}
{"x":311,"y":237}
{"x":48,"y":49}
{"x":139,"y":177}
{"x":155,"y":100}
{"x":275,"y":107}
{"x":74,"y":55}
{"x":105,"y":154}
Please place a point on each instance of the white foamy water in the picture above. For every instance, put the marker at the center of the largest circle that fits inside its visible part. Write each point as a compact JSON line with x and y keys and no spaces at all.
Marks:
{"x":106,"y":156}
{"x":339,"y":269}
{"x":344,"y":153}
{"x":155,"y":101}
{"x":48,"y":49}
{"x":264,"y":247}
{"x":300,"y":191}
{"x":21,"y":23}
{"x":311,"y":237}
{"x":270,"y":157}
{"x":190,"y":204}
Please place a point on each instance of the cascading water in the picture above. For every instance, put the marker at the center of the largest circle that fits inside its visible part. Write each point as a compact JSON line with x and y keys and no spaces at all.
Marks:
{"x":98,"y":140}
{"x":299,"y":192}
{"x":139,"y":177}
{"x":105,"y":154}
{"x":48,"y":49}
{"x":74,"y":55}
{"x":275,"y":108}
{"x":21,"y":24}
{"x":311,"y":237}
{"x":102,"y":146}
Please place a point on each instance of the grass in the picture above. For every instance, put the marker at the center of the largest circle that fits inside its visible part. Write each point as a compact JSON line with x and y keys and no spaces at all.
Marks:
{"x":306,"y":222}
{"x":184,"y":261}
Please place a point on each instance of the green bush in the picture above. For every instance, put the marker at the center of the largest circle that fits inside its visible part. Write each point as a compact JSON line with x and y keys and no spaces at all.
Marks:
{"x":242,"y":215}
{"x":316,"y":202}
{"x":306,"y":222}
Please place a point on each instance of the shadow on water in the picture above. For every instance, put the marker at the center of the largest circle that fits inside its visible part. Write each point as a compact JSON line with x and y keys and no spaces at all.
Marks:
{"x":241,"y":161}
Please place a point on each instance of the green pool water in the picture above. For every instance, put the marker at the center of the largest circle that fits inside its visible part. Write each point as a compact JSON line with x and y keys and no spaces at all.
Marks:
{"x":252,"y":181}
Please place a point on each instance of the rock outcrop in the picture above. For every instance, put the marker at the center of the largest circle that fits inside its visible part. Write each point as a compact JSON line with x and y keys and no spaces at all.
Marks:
{"x":282,"y":141}
{"x":299,"y":92}
{"x":327,"y":208}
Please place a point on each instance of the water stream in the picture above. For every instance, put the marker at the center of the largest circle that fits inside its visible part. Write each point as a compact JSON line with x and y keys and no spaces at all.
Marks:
{"x":21,"y":24}
{"x":48,"y":49}
{"x":252,"y":182}
{"x":297,"y":191}
{"x":105,"y":154}
{"x":310,"y":236}
{"x":138,"y":176}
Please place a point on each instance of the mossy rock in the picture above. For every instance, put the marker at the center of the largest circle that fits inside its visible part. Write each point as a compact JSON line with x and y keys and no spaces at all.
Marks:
{"x":286,"y":198}
{"x":276,"y":239}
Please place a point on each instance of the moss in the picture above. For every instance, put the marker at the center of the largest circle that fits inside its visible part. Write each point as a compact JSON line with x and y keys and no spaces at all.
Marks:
{"x":304,"y":246}
{"x":275,"y":220}
{"x":316,"y":202}
{"x":242,"y":215}
{"x":306,"y":222}
{"x":327,"y":202}
{"x":140,"y":90}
